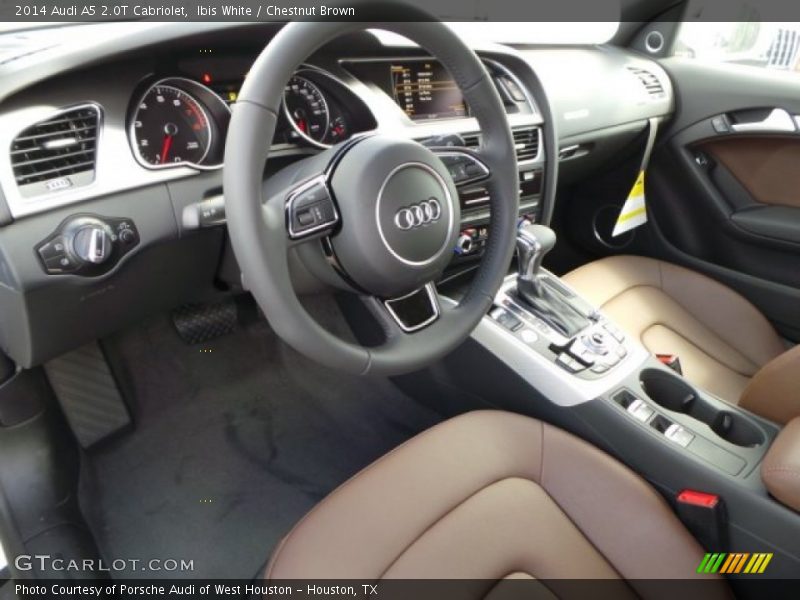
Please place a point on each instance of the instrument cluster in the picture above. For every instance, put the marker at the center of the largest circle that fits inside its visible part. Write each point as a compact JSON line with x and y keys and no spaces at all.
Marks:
{"x":183,"y":121}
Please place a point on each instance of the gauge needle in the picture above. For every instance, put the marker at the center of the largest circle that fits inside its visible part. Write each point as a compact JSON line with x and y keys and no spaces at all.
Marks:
{"x":165,"y":148}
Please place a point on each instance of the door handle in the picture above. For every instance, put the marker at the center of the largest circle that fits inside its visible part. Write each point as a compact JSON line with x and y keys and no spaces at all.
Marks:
{"x":777,"y":121}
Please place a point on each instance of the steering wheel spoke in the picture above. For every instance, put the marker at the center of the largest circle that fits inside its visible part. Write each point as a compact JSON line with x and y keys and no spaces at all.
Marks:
{"x":415,"y":311}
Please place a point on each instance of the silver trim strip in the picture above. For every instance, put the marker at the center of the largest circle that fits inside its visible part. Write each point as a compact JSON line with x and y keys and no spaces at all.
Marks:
{"x":117,"y":169}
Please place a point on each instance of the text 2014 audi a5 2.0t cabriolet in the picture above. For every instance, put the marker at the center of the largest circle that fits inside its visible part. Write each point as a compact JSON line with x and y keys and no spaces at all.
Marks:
{"x":503,"y":307}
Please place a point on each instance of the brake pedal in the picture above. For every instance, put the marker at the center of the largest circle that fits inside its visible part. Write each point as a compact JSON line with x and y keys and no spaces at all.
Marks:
{"x":197,"y":323}
{"x":88,"y":394}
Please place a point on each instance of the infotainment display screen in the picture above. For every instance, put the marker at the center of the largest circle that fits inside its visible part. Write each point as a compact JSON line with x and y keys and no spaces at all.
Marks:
{"x":421,"y":87}
{"x":425,"y":90}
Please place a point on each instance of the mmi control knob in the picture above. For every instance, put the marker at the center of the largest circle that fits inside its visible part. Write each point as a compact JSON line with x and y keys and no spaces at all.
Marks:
{"x":92,"y":244}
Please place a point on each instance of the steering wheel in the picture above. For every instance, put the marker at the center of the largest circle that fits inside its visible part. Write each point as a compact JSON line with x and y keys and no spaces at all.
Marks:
{"x":377,"y":215}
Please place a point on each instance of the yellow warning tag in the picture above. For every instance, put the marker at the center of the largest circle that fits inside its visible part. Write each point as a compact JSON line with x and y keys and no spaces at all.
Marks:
{"x":634,"y":211}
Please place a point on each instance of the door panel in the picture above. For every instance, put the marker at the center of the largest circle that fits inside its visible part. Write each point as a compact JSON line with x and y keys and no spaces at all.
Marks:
{"x":767,"y":167}
{"x":761,"y":180}
{"x":724,"y":183}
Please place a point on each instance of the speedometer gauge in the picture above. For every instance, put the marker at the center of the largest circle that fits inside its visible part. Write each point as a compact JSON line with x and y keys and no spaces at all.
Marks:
{"x":178,"y":122}
{"x":307,"y":110}
{"x":170,"y":126}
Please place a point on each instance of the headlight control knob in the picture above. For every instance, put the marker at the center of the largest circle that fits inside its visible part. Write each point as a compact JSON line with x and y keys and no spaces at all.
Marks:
{"x":465,"y":243}
{"x":92,"y":244}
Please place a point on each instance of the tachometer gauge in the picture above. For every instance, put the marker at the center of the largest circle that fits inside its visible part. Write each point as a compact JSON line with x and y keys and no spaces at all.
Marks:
{"x":307,"y":110}
{"x":338,"y":130}
{"x":173,"y":124}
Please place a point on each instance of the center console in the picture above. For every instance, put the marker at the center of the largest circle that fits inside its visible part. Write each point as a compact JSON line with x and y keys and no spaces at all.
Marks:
{"x":562,"y":360}
{"x":573,"y":353}
{"x":555,"y":340}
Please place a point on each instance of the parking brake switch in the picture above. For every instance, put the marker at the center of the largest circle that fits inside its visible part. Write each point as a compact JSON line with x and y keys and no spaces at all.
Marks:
{"x":640,"y":410}
{"x":679,"y":435}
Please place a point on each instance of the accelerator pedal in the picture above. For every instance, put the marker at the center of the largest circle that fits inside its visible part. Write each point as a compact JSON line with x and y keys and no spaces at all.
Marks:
{"x":88,"y":394}
{"x":197,"y":323}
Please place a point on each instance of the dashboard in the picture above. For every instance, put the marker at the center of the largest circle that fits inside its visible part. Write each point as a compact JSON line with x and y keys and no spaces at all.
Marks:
{"x":112,"y":149}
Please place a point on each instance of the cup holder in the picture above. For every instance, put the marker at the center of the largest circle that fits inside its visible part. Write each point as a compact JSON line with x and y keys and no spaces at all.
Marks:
{"x":672,"y":393}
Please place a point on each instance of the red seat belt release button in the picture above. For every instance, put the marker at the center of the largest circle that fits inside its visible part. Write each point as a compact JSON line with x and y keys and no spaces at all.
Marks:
{"x":705,"y":516}
{"x":672,"y":361}
{"x":696,"y":498}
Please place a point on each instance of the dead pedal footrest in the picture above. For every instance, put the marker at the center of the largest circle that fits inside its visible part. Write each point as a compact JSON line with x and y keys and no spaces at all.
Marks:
{"x":88,"y":394}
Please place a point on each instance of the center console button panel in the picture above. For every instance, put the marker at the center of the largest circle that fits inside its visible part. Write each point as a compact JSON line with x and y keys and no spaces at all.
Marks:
{"x":676,"y":433}
{"x":87,"y":245}
{"x":506,"y":319}
{"x":589,"y":355}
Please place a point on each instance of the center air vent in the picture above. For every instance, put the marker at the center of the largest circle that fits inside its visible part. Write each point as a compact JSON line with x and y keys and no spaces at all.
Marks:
{"x":56,"y":154}
{"x":526,"y":142}
{"x":472,"y":140}
{"x":652,"y":84}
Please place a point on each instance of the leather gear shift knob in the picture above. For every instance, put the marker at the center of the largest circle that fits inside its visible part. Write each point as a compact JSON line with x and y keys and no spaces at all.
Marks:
{"x":533,"y":243}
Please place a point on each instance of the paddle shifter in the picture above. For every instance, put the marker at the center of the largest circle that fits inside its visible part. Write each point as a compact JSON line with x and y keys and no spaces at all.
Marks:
{"x":535,"y":288}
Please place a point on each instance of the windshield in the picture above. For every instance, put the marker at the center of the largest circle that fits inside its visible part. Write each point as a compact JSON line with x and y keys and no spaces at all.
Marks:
{"x":525,"y":32}
{"x":7,"y":27}
{"x":537,"y":32}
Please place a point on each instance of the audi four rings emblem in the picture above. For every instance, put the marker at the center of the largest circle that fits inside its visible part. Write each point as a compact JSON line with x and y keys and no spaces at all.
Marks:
{"x":419,"y":214}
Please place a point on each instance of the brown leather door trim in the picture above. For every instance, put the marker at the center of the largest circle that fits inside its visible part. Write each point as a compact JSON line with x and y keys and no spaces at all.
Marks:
{"x":768,"y":167}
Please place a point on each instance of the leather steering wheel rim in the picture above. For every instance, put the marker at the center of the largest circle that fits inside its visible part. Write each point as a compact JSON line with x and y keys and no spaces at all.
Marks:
{"x":258,"y":228}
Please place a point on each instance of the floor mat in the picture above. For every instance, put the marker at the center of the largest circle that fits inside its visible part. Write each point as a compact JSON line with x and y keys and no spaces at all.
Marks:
{"x":235,"y":440}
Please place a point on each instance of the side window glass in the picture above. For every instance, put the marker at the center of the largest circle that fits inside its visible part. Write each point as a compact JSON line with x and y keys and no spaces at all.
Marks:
{"x":749,"y":41}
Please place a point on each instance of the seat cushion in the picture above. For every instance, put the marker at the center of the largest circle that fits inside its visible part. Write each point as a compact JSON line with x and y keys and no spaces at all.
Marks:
{"x":490,"y":495}
{"x":774,"y":392}
{"x":721,"y":338}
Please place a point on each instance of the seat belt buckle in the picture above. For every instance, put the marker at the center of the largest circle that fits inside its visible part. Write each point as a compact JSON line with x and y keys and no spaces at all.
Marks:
{"x":705,"y":516}
{"x":672,"y":361}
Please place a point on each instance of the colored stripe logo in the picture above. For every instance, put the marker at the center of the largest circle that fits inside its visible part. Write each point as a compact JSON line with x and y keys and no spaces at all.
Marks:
{"x":735,"y":562}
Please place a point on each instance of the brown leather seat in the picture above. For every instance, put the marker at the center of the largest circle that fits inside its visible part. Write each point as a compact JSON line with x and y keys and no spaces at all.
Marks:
{"x":725,"y":344}
{"x":490,"y":495}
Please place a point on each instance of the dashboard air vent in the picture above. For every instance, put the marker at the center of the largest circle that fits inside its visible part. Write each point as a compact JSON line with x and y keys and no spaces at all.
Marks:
{"x":526,"y":142}
{"x":471,"y":140}
{"x":652,"y":84}
{"x":58,"y":153}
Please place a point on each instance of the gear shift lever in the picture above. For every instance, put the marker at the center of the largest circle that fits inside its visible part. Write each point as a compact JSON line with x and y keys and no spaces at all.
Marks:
{"x":533,"y":243}
{"x":547,"y":301}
